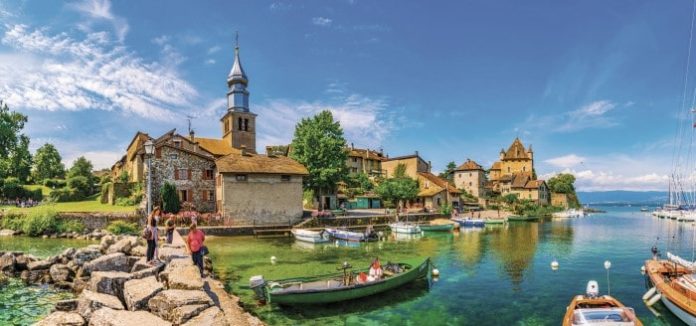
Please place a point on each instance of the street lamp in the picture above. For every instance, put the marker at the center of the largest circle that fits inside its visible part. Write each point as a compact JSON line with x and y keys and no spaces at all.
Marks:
{"x":149,"y":150}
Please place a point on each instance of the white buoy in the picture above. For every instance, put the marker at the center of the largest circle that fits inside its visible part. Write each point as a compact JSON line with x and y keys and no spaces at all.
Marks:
{"x":435,"y":279}
{"x":436,"y":272}
{"x":273,"y":260}
{"x":554,"y":265}
{"x":607,"y":264}
{"x":642,"y":270}
{"x":654,"y":299}
{"x":649,"y":294}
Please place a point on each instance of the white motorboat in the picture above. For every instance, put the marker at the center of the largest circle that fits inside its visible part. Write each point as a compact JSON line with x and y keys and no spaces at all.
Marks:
{"x":406,"y":228}
{"x":310,"y":236}
{"x":569,"y":213}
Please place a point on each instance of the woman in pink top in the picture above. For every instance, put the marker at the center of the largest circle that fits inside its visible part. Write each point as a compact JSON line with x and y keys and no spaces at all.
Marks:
{"x":194,"y":244}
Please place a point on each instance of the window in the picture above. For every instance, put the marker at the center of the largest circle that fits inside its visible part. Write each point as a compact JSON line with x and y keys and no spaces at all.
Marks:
{"x":469,"y":173}
{"x":241,"y":177}
{"x":354,"y":170}
{"x":438,"y":201}
{"x":427,"y":184}
{"x":239,"y":123}
{"x":508,"y":169}
{"x":285,"y":178}
{"x":182,"y":174}
{"x":209,"y":174}
{"x":470,"y":184}
{"x":158,"y":152}
{"x":177,"y":143}
{"x":173,"y":156}
{"x":227,"y":125}
{"x":355,"y":159}
{"x":207,"y":195}
{"x":183,"y":195}
{"x":524,"y":168}
{"x":246,"y":124}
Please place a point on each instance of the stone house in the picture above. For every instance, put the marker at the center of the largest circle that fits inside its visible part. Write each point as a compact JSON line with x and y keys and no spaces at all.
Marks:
{"x":365,"y":161}
{"x":470,"y":177}
{"x":514,"y":173}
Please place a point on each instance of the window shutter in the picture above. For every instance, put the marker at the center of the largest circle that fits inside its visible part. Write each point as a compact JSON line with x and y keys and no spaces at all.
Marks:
{"x":176,"y":174}
{"x":158,"y":152}
{"x":188,"y":172}
{"x":204,"y":195}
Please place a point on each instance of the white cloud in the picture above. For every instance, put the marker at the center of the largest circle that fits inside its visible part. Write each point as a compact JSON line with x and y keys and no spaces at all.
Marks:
{"x":100,"y":159}
{"x":214,"y":49}
{"x":592,"y":115}
{"x":279,"y":6}
{"x":161,"y":40}
{"x":590,"y":180}
{"x":566,"y":161}
{"x":58,"y":72}
{"x":210,"y":61}
{"x":321,"y":21}
{"x":101,"y":10}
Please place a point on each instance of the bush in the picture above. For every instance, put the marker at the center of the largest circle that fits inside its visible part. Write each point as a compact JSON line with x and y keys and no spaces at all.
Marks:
{"x":124,"y":202}
{"x":81,"y":185}
{"x":12,"y":188}
{"x":35,"y":194}
{"x":39,"y":221}
{"x":446,"y":209}
{"x":122,"y":227}
{"x":63,"y":195}
{"x":69,"y":226}
{"x":12,"y":220}
{"x":170,"y":199}
{"x":54,"y":183}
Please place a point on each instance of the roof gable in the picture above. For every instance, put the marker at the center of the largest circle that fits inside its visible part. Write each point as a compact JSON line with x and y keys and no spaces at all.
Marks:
{"x":261,"y":164}
{"x":468,"y":166}
{"x":516,"y":151}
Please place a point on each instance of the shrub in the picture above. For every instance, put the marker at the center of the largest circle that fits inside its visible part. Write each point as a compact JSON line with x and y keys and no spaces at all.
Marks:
{"x":12,"y":220}
{"x":122,"y":227}
{"x":54,"y":183}
{"x":170,"y":199}
{"x":39,"y":221}
{"x":81,"y":185}
{"x":124,"y":202}
{"x":12,"y":189}
{"x":63,"y":195}
{"x":446,"y":209}
{"x":70,"y":225}
{"x":35,"y":194}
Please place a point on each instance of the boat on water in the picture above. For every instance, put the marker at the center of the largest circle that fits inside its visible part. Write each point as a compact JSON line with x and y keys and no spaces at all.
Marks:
{"x":346,"y":235}
{"x":469,"y":222}
{"x":593,"y":309}
{"x":310,"y":236}
{"x":337,"y":287}
{"x":644,"y":209}
{"x":406,"y":228}
{"x":517,"y":218}
{"x":569,"y":213}
{"x":437,"y":227}
{"x":492,"y":221}
{"x":674,"y":284}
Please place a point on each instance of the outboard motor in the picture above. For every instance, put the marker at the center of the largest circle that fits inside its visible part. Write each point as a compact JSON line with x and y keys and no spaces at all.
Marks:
{"x":655,"y":252}
{"x":592,"y":289}
{"x":258,"y":284}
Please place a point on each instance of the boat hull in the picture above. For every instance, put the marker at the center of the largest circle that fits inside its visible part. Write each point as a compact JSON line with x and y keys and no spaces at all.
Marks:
{"x":349,"y":236}
{"x":405,"y":228}
{"x":310,"y":237}
{"x":469,"y":223}
{"x":681,"y":314}
{"x":440,"y":227}
{"x":352,"y":292}
{"x":523,"y":218}
{"x":494,"y":221}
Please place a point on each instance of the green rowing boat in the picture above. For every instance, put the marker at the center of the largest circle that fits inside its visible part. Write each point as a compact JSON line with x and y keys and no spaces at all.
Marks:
{"x":523,"y":218}
{"x":494,"y":221}
{"x":436,"y":227}
{"x":331,"y":288}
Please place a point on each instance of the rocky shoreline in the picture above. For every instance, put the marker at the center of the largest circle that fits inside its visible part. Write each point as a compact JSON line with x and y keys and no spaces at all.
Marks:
{"x":115,"y":286}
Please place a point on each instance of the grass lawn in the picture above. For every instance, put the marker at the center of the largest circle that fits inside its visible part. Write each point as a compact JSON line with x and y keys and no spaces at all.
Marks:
{"x":91,"y":204}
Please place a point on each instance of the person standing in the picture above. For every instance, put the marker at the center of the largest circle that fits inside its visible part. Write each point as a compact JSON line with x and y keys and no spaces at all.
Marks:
{"x":170,"y":228}
{"x":152,"y":221}
{"x":194,"y":245}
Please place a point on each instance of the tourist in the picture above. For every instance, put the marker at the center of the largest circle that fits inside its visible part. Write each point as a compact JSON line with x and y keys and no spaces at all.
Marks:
{"x":170,"y":228}
{"x":375,"y":271}
{"x":194,"y":245}
{"x":152,"y":221}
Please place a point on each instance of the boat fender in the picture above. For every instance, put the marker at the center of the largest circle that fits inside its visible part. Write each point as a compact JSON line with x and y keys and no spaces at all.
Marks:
{"x":653,"y":300}
{"x":642,"y":270}
{"x":649,"y":294}
{"x":436,"y":272}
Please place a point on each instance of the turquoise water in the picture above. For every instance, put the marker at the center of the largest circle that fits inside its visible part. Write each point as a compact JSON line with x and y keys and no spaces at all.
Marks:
{"x":24,"y":305}
{"x":495,"y":276}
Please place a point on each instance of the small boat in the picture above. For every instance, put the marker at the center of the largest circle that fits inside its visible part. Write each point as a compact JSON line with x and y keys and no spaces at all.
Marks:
{"x":644,"y":209}
{"x":516,"y":218}
{"x":674,"y":284}
{"x":336,"y":287}
{"x":406,"y":228}
{"x":351,"y":236}
{"x":592,"y":309}
{"x":491,"y":221}
{"x":463,"y":222}
{"x":310,"y":236}
{"x":437,"y":227}
{"x":571,"y":213}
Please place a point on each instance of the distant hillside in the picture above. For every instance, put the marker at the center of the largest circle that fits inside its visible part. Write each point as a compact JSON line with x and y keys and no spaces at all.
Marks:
{"x":621,"y":196}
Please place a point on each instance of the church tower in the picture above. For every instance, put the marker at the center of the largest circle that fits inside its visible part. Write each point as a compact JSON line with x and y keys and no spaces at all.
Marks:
{"x":238,"y":124}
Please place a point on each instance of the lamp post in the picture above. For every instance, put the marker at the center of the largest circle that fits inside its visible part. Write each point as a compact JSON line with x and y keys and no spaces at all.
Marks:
{"x":149,"y":150}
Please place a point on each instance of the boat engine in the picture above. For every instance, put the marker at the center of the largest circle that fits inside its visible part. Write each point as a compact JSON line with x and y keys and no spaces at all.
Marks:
{"x":258,"y":284}
{"x":592,"y":289}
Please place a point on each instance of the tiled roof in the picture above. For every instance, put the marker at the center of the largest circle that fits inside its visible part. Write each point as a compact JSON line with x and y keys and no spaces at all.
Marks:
{"x":520,"y":180}
{"x":440,"y":182}
{"x":516,"y":151}
{"x":217,"y":147}
{"x":534,"y":184}
{"x":468,"y":166}
{"x":496,"y":166}
{"x":370,"y":154}
{"x":255,"y":163}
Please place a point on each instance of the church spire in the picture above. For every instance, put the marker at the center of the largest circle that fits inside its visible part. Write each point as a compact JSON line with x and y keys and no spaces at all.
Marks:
{"x":237,"y":81}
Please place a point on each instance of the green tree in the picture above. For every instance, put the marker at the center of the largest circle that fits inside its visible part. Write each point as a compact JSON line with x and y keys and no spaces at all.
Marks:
{"x":18,"y":163}
{"x":81,"y":185}
{"x":448,"y":174}
{"x":398,"y":189}
{"x":47,"y":164}
{"x":11,"y":123}
{"x":319,"y":145}
{"x":82,"y":167}
{"x":170,"y":199}
{"x":563,"y":183}
{"x":400,"y":171}
{"x":510,"y":199}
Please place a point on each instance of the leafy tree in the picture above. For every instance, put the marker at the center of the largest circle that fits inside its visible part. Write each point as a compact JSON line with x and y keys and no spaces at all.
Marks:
{"x":18,"y":163}
{"x":319,"y":145}
{"x":359,"y":181}
{"x":81,"y":185}
{"x":398,"y":189}
{"x":448,"y":174}
{"x":12,"y":188}
{"x":562,"y":183}
{"x":11,"y":123}
{"x":170,"y":199}
{"x":47,"y":164}
{"x":81,"y":168}
{"x":510,"y":199}
{"x":400,"y":170}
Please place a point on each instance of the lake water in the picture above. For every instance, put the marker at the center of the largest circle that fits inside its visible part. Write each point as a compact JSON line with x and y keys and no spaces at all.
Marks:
{"x":492,"y":276}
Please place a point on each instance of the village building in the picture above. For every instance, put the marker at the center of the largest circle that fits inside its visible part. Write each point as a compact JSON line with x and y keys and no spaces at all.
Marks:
{"x":514,"y":173}
{"x":434,"y":192}
{"x":471,"y":178}
{"x":223,"y":175}
{"x":365,"y":161}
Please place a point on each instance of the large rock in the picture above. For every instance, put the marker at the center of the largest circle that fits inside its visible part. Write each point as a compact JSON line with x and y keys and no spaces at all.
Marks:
{"x":106,"y":242}
{"x":212,"y":316}
{"x":137,"y":293}
{"x":66,"y":305}
{"x":35,"y":276}
{"x":185,"y":278}
{"x":165,"y":303}
{"x":21,"y":261}
{"x":7,"y":233}
{"x":109,"y":282}
{"x":174,"y":265}
{"x":7,"y":263}
{"x":180,"y":315}
{"x":89,"y":302}
{"x":61,"y":318}
{"x":40,"y":264}
{"x":84,"y":255}
{"x":166,"y":254}
{"x":110,"y":317}
{"x":116,"y":262}
{"x":69,"y":253}
{"x":61,"y":273}
{"x":123,"y":246}
{"x":139,"y":251}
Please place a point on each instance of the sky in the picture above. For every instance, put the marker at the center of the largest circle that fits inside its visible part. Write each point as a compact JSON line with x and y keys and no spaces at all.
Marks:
{"x":596,"y":87}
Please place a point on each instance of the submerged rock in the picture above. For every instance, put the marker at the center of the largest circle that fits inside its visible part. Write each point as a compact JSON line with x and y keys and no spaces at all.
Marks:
{"x":4,"y":279}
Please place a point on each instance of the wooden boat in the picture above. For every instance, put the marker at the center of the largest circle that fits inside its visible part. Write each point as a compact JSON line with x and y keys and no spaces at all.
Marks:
{"x":463,"y":222}
{"x":351,"y":236}
{"x":310,"y":236}
{"x":494,"y":221}
{"x":337,"y":287}
{"x":592,"y":309}
{"x":516,"y":218}
{"x":437,"y":227}
{"x":674,"y":285}
{"x":403,"y":227}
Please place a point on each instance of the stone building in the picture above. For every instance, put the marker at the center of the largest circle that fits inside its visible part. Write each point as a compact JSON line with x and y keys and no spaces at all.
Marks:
{"x":470,"y":177}
{"x":223,"y":175}
{"x":365,"y":161}
{"x":514,"y":173}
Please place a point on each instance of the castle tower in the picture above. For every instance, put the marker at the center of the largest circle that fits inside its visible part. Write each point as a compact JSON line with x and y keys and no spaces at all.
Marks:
{"x":238,"y":124}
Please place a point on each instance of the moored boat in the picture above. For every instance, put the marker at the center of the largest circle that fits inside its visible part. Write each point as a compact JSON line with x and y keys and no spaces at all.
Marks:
{"x":310,"y":236}
{"x":351,"y":236}
{"x":465,"y":222}
{"x":494,"y":221}
{"x":592,"y":309}
{"x":337,"y":287}
{"x":517,"y":218}
{"x":403,"y":227}
{"x":673,"y":284}
{"x":437,"y":227}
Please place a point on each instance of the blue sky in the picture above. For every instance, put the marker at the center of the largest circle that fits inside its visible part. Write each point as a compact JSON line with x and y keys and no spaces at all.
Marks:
{"x":594,"y":86}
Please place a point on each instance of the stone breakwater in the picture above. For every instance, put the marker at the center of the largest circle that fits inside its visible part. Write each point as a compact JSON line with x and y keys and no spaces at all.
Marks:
{"x":115,"y":286}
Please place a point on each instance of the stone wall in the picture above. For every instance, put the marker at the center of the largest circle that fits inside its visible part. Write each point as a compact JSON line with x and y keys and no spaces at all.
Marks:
{"x":261,"y":199}
{"x":560,"y":200}
{"x":96,"y":221}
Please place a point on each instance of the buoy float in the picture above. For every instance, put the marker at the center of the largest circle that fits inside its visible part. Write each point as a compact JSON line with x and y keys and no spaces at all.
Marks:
{"x":435,"y":279}
{"x":642,"y":270}
{"x":436,"y":272}
{"x":273,"y":260}
{"x":554,"y":264}
{"x":654,"y":299}
{"x":649,"y":294}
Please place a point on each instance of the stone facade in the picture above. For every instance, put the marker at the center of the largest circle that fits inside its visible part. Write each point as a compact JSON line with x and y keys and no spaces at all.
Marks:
{"x":414,"y":164}
{"x":470,"y":177}
{"x":365,"y":161}
{"x":560,"y":200}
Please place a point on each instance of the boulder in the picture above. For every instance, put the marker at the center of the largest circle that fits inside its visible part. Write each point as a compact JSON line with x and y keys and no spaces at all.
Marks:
{"x":116,"y":262}
{"x":109,"y":282}
{"x":4,"y":279}
{"x":137,"y":293}
{"x":35,"y":276}
{"x":123,"y":246}
{"x":180,"y":315}
{"x":164,"y":303}
{"x":21,"y":261}
{"x":7,"y":233}
{"x":84,"y":255}
{"x":140,"y":251}
{"x":80,"y":284}
{"x":166,"y":254}
{"x":39,"y":264}
{"x":69,"y":253}
{"x":212,"y":316}
{"x":61,"y":273}
{"x":106,"y":242}
{"x":152,"y":271}
{"x":176,"y":264}
{"x":66,"y":305}
{"x":110,"y":317}
{"x":7,"y":263}
{"x":61,"y":318}
{"x":140,"y":265}
{"x":131,"y":261}
{"x":185,"y":278}
{"x":89,"y":302}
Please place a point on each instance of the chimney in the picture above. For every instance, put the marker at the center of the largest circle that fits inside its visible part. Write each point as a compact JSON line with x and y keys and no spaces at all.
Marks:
{"x":351,"y":146}
{"x":243,"y":150}
{"x":416,"y":153}
{"x":192,"y":135}
{"x":430,"y":166}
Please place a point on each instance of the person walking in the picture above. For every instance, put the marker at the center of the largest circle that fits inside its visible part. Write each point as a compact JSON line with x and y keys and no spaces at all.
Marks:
{"x":194,"y":246}
{"x":170,"y":228}
{"x":152,"y":221}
